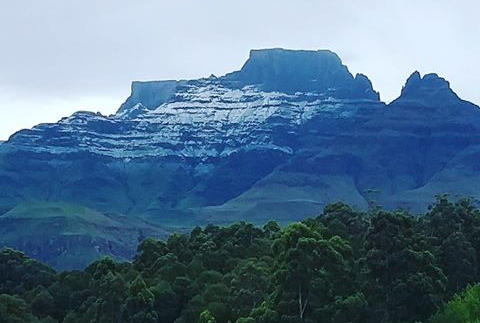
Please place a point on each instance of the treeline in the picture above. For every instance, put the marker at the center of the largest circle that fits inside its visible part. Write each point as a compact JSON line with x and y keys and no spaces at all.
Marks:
{"x":343,"y":266}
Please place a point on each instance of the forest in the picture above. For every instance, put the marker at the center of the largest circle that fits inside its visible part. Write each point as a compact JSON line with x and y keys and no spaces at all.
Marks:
{"x":342,"y":266}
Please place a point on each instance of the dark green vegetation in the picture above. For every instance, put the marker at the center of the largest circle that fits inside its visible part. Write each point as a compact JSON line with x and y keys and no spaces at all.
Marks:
{"x":343,"y":266}
{"x":69,"y":236}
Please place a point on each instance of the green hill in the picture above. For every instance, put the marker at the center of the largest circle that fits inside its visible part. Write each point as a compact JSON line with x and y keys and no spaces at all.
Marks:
{"x":69,"y":236}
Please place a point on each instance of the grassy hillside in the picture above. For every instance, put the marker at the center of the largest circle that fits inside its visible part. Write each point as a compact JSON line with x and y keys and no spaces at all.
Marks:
{"x":69,"y":236}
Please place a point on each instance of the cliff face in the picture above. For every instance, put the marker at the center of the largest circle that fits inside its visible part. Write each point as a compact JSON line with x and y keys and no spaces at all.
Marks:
{"x":288,"y":133}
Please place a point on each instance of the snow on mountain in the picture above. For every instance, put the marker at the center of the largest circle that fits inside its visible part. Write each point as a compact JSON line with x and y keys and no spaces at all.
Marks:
{"x":288,"y":133}
{"x":294,"y":121}
{"x":208,"y":117}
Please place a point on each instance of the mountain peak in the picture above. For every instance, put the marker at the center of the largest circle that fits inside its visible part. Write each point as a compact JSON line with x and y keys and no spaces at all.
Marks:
{"x":149,"y":94}
{"x":287,"y":70}
{"x":268,"y":54}
{"x":429,"y":90}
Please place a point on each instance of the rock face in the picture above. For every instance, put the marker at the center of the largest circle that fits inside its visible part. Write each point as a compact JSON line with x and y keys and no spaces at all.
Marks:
{"x":291,"y":71}
{"x":429,"y":90}
{"x":288,"y":133}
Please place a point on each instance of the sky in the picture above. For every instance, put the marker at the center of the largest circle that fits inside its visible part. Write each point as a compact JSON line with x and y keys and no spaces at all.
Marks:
{"x":58,"y":56}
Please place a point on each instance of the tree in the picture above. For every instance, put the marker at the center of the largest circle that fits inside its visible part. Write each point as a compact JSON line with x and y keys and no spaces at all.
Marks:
{"x":15,"y":310}
{"x":271,"y":228}
{"x":112,"y":290}
{"x":206,"y":317}
{"x":463,"y":308}
{"x":18,"y":273}
{"x":459,"y":261}
{"x":401,"y":264}
{"x":167,"y":302}
{"x":353,"y":308}
{"x":341,"y":220}
{"x":265,"y":313}
{"x":455,"y":230}
{"x":310,"y":271}
{"x":250,"y":284}
{"x":149,"y":250}
{"x":139,"y":305}
{"x":43,"y":304}
{"x":167,"y":268}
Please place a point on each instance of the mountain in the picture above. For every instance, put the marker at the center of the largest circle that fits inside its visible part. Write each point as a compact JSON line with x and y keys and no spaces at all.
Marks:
{"x":279,"y":139}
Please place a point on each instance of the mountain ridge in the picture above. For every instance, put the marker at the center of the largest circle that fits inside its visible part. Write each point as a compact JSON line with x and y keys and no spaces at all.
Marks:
{"x":279,"y":139}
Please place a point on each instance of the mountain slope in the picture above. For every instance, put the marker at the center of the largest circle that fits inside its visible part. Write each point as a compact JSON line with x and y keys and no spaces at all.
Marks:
{"x":206,"y":142}
{"x":282,"y":137}
{"x":70,"y":236}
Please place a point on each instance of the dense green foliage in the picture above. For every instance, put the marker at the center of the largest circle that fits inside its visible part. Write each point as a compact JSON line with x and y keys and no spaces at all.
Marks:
{"x":343,"y":266}
{"x":464,"y":308}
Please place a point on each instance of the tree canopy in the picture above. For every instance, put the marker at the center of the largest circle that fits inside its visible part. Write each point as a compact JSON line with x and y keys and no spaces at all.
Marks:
{"x":342,"y":266}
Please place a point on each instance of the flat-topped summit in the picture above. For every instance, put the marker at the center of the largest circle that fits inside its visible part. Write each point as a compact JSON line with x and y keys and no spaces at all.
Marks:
{"x":270,"y":70}
{"x":149,"y":94}
{"x":292,"y":71}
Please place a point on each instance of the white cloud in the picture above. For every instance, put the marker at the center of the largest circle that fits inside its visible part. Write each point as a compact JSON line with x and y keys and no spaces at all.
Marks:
{"x":20,"y":112}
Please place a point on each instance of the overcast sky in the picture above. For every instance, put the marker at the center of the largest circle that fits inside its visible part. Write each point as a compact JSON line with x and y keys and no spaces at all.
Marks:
{"x":60,"y":56}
